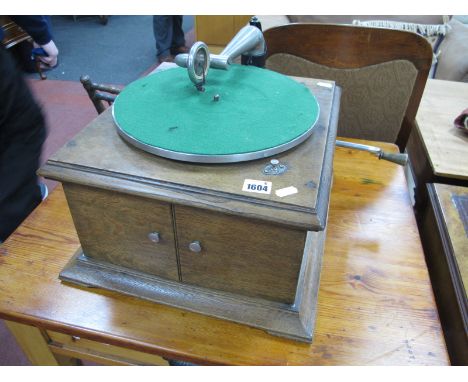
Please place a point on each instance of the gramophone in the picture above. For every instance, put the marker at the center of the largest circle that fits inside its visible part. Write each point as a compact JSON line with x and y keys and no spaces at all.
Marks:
{"x":206,"y":187}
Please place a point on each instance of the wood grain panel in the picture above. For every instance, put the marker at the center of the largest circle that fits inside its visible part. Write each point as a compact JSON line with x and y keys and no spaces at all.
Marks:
{"x":101,"y":352}
{"x":240,"y":22}
{"x":218,"y":30}
{"x":114,"y":227}
{"x":239,"y":255}
{"x":375,"y":302}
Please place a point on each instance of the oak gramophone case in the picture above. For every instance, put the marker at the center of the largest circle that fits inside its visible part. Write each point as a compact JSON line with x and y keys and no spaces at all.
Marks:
{"x":238,"y":240}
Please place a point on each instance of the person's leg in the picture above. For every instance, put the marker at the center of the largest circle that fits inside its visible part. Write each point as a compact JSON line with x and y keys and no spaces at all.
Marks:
{"x":163,"y":34}
{"x":22,"y":133}
{"x":178,"y":36}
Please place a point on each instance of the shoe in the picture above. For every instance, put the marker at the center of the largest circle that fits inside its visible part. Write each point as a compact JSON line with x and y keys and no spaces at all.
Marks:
{"x":180,"y":49}
{"x":44,"y":190}
{"x":169,"y":58}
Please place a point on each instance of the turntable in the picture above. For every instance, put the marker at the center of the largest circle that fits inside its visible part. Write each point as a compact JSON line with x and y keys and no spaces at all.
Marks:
{"x":206,"y":187}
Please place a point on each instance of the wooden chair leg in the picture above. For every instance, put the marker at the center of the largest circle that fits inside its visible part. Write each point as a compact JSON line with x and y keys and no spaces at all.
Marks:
{"x":97,"y":93}
{"x":39,"y":69}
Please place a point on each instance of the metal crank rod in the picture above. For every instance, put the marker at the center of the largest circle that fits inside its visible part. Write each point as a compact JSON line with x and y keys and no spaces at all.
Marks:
{"x":398,"y":158}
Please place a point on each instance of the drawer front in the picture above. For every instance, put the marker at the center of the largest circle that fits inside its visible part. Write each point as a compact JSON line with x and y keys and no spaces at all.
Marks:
{"x":114,"y":227}
{"x":100,"y":352}
{"x":239,"y":255}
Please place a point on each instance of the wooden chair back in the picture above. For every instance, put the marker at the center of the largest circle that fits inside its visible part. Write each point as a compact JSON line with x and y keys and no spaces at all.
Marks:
{"x":382,"y":73}
{"x":98,"y":93}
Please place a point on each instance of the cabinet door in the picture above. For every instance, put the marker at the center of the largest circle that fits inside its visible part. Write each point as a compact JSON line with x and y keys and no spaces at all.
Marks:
{"x":115,"y":228}
{"x":239,"y":255}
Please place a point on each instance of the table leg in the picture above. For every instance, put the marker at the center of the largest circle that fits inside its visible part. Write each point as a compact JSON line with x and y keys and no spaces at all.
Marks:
{"x":33,"y":344}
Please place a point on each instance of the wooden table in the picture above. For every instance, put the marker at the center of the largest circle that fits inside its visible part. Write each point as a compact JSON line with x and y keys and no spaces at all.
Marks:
{"x":375,"y":303}
{"x":437,"y":149}
{"x":444,"y":230}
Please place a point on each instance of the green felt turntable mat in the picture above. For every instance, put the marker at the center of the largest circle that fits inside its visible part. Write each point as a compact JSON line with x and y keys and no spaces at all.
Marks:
{"x":257,"y":109}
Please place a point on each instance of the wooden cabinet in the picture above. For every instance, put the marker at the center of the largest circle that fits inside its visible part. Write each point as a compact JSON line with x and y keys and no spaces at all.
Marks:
{"x":234,"y":254}
{"x":217,"y":31}
{"x":253,"y":258}
{"x":444,"y":232}
{"x":436,"y":147}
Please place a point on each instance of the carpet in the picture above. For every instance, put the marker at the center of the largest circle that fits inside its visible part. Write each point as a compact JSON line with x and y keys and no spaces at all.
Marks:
{"x":116,"y":53}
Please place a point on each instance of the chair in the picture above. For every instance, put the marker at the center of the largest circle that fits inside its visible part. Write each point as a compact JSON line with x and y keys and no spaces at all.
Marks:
{"x":14,"y":35}
{"x":98,"y":93}
{"x":382,"y":73}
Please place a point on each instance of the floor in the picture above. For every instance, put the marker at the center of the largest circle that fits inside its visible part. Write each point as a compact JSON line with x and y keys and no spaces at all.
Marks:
{"x":86,"y":47}
{"x":124,"y":48}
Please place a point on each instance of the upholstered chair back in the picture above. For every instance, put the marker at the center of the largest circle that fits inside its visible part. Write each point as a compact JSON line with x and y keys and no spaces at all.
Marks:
{"x":382,"y":73}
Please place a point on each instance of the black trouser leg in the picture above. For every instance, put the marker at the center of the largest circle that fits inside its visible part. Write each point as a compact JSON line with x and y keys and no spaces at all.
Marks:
{"x":178,"y":37}
{"x":163,"y":33}
{"x":22,"y":133}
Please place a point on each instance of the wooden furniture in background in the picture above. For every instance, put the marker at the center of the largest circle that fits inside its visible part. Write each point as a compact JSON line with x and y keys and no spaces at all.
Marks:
{"x":102,"y":19}
{"x":217,"y":31}
{"x":444,"y":233}
{"x":361,"y":61}
{"x":13,"y":35}
{"x":50,"y":348}
{"x":437,"y":149}
{"x":375,"y":302}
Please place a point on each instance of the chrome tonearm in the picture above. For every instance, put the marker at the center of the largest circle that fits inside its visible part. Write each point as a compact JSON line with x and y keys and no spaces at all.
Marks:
{"x":249,"y":40}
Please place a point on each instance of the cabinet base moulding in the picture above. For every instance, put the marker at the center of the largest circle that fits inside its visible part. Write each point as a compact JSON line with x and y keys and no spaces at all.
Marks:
{"x":294,"y":321}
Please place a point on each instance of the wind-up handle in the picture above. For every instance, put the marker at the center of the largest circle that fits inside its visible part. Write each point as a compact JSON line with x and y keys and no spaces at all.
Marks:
{"x":398,"y":158}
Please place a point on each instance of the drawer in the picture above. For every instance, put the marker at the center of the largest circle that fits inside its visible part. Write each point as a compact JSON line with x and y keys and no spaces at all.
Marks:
{"x":239,"y":255}
{"x":114,"y":227}
{"x":82,"y":348}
